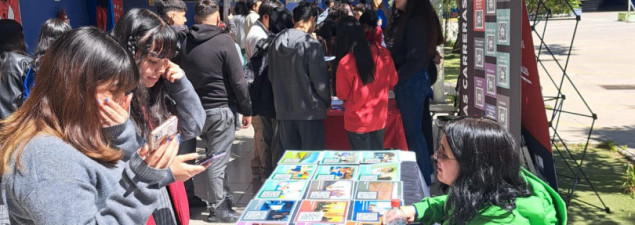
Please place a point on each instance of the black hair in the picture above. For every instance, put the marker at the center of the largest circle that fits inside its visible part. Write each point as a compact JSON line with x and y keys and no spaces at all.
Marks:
{"x":337,"y":12}
{"x":12,"y":38}
{"x":360,"y":7}
{"x":351,"y":39}
{"x":427,"y":19}
{"x":251,"y":3}
{"x":165,"y":6}
{"x":265,"y":8}
{"x":369,"y":18}
{"x":280,"y":19}
{"x":145,"y":33}
{"x":205,"y":8}
{"x":489,"y":171}
{"x":304,"y":10}
{"x":51,"y":30}
{"x":241,"y":9}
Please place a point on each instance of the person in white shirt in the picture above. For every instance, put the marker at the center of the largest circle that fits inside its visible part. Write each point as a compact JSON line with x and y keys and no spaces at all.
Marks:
{"x":253,"y":16}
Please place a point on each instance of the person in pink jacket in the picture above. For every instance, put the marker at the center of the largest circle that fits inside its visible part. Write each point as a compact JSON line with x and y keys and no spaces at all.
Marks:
{"x":365,"y":73}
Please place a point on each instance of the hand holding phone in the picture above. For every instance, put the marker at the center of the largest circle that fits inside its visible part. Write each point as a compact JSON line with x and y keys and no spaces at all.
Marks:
{"x":162,"y":132}
{"x":210,"y":159}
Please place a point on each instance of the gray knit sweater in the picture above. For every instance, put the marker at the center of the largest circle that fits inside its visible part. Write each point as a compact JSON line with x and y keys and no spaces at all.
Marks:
{"x":59,"y":185}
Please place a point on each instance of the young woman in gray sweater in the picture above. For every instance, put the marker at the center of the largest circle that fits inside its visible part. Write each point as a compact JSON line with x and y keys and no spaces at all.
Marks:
{"x":57,"y":165}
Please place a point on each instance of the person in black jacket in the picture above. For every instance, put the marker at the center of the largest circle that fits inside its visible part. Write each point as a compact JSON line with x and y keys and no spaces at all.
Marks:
{"x":412,"y":38}
{"x":210,"y":60}
{"x":14,"y":63}
{"x":300,"y":82}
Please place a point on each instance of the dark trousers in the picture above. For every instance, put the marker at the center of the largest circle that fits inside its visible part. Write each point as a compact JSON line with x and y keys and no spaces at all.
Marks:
{"x":411,"y":95}
{"x":426,"y":126}
{"x":301,"y":134}
{"x":373,"y":140}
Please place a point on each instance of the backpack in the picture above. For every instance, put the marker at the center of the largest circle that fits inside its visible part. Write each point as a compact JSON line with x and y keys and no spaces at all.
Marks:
{"x":256,"y":74}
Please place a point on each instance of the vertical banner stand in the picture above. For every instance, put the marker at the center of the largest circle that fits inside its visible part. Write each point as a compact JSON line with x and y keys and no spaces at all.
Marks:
{"x":575,"y":166}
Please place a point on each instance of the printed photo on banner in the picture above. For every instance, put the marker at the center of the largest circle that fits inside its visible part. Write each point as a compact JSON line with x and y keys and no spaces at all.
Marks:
{"x":479,"y":15}
{"x":490,"y":38}
{"x":503,"y":110}
{"x":502,"y":18}
{"x":502,"y":70}
{"x":479,"y":55}
{"x":491,"y":7}
{"x":491,"y":83}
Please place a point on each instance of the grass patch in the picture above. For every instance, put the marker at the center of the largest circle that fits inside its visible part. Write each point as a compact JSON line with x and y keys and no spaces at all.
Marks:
{"x":451,"y":65}
{"x":606,"y":171}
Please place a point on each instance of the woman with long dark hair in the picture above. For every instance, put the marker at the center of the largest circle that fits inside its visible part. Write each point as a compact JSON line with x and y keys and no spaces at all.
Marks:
{"x":50,"y":31}
{"x":163,"y":91}
{"x":479,"y":162}
{"x":365,"y":72}
{"x":412,"y":38}
{"x":14,"y":62}
{"x":57,"y":165}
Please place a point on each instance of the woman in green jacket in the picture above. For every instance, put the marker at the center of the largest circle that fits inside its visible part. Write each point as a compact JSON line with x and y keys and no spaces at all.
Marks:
{"x":479,"y":162}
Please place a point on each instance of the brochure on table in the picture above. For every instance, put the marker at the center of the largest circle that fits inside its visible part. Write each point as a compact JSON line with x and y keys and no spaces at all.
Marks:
{"x":328,"y":187}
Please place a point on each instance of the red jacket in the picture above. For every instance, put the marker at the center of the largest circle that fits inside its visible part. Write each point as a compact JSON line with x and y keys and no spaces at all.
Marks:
{"x":366,"y":106}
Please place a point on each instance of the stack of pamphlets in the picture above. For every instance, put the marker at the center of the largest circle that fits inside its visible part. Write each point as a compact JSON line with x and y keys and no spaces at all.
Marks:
{"x":328,"y":187}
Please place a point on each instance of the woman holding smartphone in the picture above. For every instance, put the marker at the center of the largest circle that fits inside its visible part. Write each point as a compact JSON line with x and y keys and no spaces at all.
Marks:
{"x":163,"y":91}
{"x":56,"y":164}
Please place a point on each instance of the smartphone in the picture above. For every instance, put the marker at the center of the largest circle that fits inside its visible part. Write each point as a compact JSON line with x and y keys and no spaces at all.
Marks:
{"x":210,"y":159}
{"x":162,"y":132}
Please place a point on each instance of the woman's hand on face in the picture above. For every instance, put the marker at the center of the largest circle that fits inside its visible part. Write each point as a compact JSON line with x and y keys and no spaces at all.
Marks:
{"x":183,"y":171}
{"x":163,"y":157}
{"x":173,"y":72}
{"x":112,"y":113}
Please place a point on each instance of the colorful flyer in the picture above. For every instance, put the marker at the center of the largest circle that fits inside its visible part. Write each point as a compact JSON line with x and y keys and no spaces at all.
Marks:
{"x":378,"y":190}
{"x":502,"y":70}
{"x":479,"y":53}
{"x":380,"y":157}
{"x":503,"y":110}
{"x":362,"y":223}
{"x":340,"y":157}
{"x":490,"y":77}
{"x":282,"y":190}
{"x":300,"y":157}
{"x":330,"y":190}
{"x":479,"y":15}
{"x":268,"y":211}
{"x":336,"y":172}
{"x":322,"y":212}
{"x":374,"y":172}
{"x":293,"y":172}
{"x":503,"y":20}
{"x":491,"y":7}
{"x":259,"y":223}
{"x":490,"y":39}
{"x":369,"y":211}
{"x":479,"y":92}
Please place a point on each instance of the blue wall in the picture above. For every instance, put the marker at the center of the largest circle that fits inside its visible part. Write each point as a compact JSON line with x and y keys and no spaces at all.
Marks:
{"x":35,"y":13}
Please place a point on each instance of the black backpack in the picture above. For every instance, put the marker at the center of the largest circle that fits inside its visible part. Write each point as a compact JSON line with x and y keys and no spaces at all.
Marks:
{"x":256,"y":74}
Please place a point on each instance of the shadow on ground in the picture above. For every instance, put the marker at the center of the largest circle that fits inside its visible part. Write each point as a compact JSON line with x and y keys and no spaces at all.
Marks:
{"x":622,"y":135}
{"x":605,"y":171}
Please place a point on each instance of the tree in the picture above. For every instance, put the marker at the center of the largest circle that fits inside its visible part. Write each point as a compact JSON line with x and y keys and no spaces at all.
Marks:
{"x":556,"y":6}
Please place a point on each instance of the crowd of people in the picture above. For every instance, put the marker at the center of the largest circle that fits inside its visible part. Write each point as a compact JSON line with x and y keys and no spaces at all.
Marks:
{"x":75,"y":117}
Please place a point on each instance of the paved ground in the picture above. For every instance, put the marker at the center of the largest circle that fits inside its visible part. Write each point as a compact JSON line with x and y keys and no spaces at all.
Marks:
{"x":604,"y":54}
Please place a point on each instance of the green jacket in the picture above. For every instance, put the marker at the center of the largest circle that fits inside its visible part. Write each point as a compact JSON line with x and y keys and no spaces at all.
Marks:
{"x":545,"y":206}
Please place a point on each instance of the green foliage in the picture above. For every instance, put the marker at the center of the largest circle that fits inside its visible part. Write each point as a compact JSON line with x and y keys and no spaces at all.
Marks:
{"x":629,"y":184}
{"x":556,"y":6}
{"x":608,"y":144}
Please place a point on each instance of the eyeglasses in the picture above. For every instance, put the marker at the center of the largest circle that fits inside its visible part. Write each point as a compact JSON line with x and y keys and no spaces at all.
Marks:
{"x":441,"y":154}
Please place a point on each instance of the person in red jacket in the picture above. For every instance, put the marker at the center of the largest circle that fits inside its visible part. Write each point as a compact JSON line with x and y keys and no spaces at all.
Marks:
{"x":364,"y":74}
